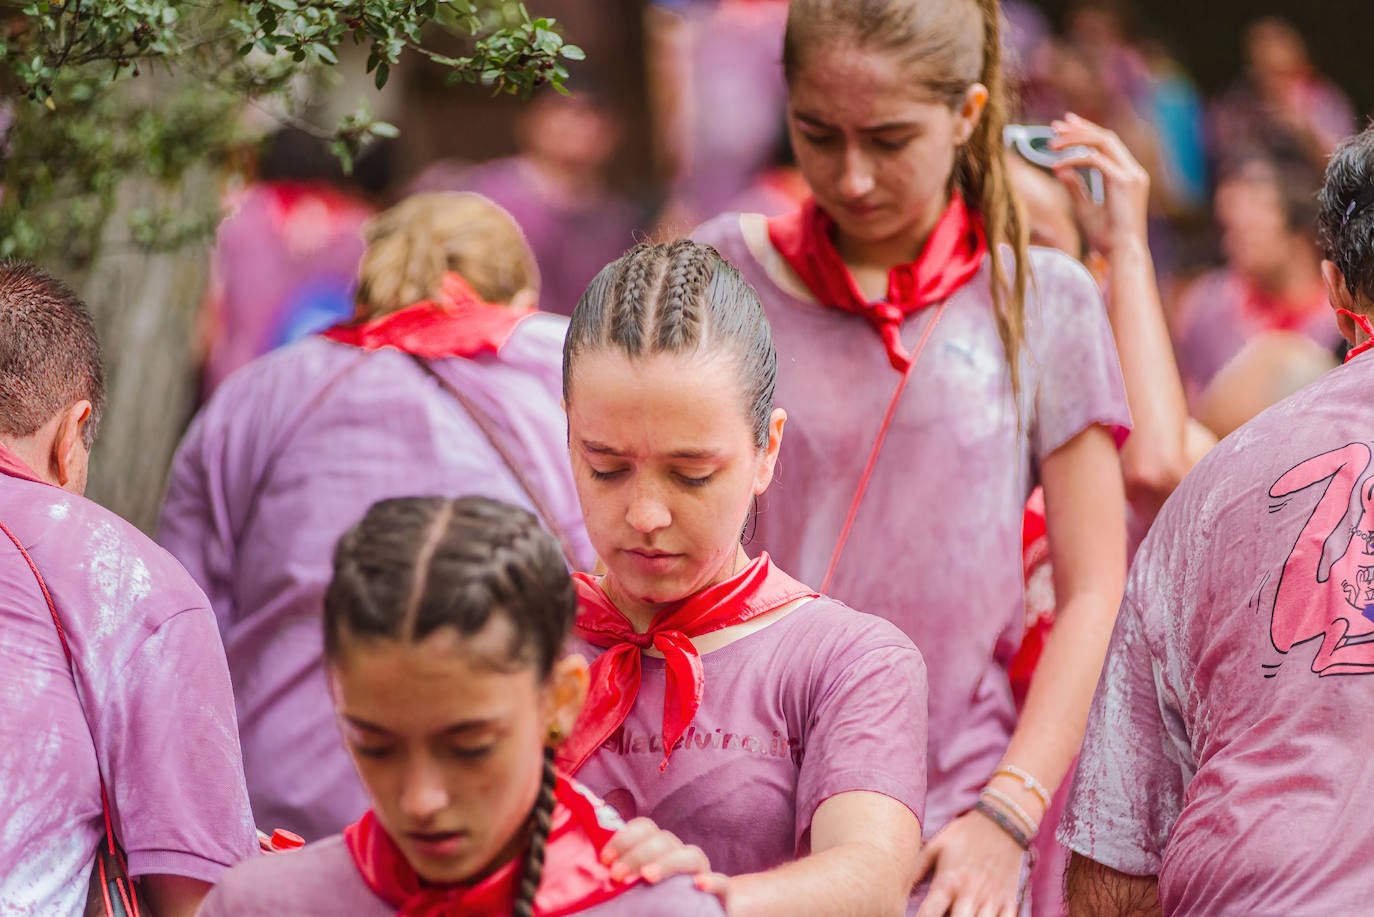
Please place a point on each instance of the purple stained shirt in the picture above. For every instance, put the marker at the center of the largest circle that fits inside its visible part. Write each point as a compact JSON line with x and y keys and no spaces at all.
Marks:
{"x":321,"y":880}
{"x":154,"y":708}
{"x":1228,"y":748}
{"x":936,"y":545}
{"x":821,"y":701}
{"x":290,"y":453}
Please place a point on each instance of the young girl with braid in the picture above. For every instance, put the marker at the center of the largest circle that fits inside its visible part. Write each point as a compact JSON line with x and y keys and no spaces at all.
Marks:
{"x":935,"y":368}
{"x":778,"y":731}
{"x":443,"y":626}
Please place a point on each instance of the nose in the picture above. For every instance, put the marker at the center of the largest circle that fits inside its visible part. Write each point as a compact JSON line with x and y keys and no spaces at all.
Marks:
{"x":856,"y":177}
{"x":423,"y":793}
{"x":648,"y":511}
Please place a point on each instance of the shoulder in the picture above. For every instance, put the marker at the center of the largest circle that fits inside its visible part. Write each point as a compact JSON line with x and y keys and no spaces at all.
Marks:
{"x":829,"y":630}
{"x":319,"y":879}
{"x":721,"y":229}
{"x":1058,"y":283}
{"x":538,"y":337}
{"x":674,"y":897}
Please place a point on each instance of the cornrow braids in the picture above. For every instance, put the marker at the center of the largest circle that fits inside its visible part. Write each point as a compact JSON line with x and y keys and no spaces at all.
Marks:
{"x":539,"y":839}
{"x":681,"y":298}
{"x":414,"y":565}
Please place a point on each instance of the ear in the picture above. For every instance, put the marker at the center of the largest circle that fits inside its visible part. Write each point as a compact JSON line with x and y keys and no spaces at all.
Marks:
{"x":567,"y":691}
{"x":967,"y":115}
{"x":1338,"y":294}
{"x":764,"y":475}
{"x":68,"y":458}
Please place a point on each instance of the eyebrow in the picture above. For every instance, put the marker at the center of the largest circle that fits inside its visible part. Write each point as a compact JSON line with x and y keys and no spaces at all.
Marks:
{"x":465,"y":726}
{"x":873,"y":129}
{"x":702,"y":455}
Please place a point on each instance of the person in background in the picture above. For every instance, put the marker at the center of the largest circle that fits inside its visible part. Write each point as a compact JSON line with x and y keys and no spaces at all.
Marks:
{"x":443,"y":628}
{"x":1225,"y":754}
{"x":1283,"y":101}
{"x":1272,"y":281}
{"x":286,"y":256}
{"x":557,"y":188}
{"x":126,"y":713}
{"x":446,"y":381}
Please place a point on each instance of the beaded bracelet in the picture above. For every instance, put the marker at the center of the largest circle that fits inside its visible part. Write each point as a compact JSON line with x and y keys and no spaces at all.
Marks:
{"x":1027,"y":780}
{"x":1011,"y":806}
{"x":1003,"y":822}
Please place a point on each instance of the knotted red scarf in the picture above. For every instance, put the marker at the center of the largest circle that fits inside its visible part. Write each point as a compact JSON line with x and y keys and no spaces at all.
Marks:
{"x":574,"y":878}
{"x":615,"y":676}
{"x":1364,"y":325}
{"x":458,"y":324}
{"x":950,"y":258}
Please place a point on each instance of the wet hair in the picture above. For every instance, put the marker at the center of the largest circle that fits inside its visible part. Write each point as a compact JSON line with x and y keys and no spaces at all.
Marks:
{"x":1345,"y":220}
{"x":49,"y":352}
{"x":415,"y":565}
{"x":948,"y":45}
{"x":1289,"y":170}
{"x":679,"y":298}
{"x":411,"y":246}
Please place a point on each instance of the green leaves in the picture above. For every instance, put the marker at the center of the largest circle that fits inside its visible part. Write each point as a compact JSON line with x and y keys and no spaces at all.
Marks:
{"x":85,"y":112}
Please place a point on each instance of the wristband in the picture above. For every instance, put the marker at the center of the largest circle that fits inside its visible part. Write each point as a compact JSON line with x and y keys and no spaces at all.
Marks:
{"x":1003,"y":822}
{"x":1029,"y":782}
{"x":1031,"y":825}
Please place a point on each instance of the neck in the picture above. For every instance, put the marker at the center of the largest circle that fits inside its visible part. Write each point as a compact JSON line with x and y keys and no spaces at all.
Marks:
{"x":1293,"y":284}
{"x":902,"y":247}
{"x":29,"y":451}
{"x":642,"y":614}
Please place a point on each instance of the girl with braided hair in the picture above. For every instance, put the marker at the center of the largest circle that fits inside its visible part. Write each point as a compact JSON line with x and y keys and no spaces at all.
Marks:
{"x":935,"y":367}
{"x":775,"y":730}
{"x":443,"y":626}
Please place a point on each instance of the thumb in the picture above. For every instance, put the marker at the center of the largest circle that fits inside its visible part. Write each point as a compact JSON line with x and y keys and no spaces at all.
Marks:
{"x":925,"y":861}
{"x":714,"y":883}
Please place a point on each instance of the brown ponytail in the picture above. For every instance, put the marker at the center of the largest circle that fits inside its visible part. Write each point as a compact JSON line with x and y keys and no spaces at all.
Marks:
{"x":949,"y":45}
{"x":539,"y":839}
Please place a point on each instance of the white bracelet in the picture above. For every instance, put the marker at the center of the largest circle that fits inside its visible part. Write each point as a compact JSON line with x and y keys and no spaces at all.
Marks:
{"x":1028,"y":781}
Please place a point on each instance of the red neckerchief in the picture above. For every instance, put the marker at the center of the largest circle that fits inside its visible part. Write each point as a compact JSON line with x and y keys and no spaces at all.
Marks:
{"x":950,"y":258}
{"x":15,"y":467}
{"x":1273,"y":313}
{"x":615,"y":676}
{"x":1366,"y":326}
{"x":458,"y":324}
{"x":574,"y":878}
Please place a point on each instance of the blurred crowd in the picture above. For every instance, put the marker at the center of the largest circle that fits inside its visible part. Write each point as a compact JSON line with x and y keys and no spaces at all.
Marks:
{"x":1232,"y":192}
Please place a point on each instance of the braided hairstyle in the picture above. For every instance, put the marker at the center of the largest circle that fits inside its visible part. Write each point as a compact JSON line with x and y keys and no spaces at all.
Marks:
{"x":1345,"y":218}
{"x":414,"y":565}
{"x":680,"y":298}
{"x":948,"y":45}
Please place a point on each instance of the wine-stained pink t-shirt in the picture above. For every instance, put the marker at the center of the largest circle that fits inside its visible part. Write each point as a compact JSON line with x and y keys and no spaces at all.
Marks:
{"x":1229,"y":745}
{"x":321,"y":880}
{"x":936,"y":544}
{"x":150,"y":704}
{"x":822,"y":701}
{"x":290,"y":452}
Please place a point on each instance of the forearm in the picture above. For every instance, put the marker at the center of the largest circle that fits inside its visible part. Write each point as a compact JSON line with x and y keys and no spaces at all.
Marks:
{"x":1154,"y":458}
{"x":848,"y":880}
{"x":1094,"y":890}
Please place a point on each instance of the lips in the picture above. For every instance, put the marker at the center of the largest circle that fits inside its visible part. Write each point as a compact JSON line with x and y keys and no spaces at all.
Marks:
{"x":438,"y":845}
{"x":652,"y":561}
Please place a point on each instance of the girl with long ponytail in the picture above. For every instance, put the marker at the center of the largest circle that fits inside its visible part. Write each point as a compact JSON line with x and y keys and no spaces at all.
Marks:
{"x":935,"y":367}
{"x":444,"y":625}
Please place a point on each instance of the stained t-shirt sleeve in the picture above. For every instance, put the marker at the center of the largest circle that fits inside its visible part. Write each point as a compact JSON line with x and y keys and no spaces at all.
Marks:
{"x":673,"y":897}
{"x":1074,"y":362}
{"x":867,"y":731}
{"x":174,"y":768}
{"x":1129,"y":788}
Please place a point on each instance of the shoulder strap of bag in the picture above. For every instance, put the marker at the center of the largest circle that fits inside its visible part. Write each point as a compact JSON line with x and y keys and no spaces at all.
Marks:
{"x":487,"y":426}
{"x":112,"y":850}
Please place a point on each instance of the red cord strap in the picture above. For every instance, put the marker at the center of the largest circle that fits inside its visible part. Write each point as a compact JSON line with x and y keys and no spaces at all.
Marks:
{"x":878,"y":447}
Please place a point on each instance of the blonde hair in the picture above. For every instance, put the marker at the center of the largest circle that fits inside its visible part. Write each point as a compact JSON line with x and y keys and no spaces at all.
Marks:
{"x":411,"y":246}
{"x":951,"y":44}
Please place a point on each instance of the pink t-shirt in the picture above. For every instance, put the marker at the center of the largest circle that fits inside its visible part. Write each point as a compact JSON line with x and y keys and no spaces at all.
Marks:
{"x":321,"y":880}
{"x":1228,"y":750}
{"x":821,"y":701}
{"x":151,"y":703}
{"x":290,"y":453}
{"x":936,"y":545}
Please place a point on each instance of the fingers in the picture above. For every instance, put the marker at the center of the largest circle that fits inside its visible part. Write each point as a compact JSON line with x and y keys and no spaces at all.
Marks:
{"x":642,"y":848}
{"x":937,"y":903}
{"x":1075,"y":131}
{"x":714,"y":883}
{"x":635,"y":832}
